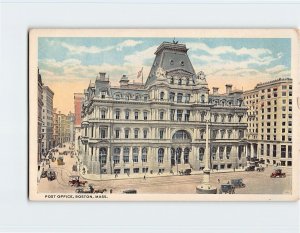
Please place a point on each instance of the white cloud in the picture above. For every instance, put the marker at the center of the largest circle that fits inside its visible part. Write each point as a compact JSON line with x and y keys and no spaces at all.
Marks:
{"x":79,"y":49}
{"x":127,"y":43}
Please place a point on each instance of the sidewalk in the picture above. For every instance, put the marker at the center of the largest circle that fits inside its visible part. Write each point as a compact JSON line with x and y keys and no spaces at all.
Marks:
{"x":96,"y":177}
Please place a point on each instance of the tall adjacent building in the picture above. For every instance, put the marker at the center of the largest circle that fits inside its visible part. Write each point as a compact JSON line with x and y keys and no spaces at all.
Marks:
{"x":78,"y":101}
{"x":71,"y":119}
{"x":159,"y":126}
{"x":40,"y":109}
{"x":270,"y":121}
{"x":47,"y":119}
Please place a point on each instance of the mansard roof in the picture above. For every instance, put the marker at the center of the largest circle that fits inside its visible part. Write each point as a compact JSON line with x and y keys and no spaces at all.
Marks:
{"x":171,"y":57}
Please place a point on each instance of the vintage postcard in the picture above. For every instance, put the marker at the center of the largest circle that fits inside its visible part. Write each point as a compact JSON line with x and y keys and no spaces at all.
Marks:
{"x":163,"y":114}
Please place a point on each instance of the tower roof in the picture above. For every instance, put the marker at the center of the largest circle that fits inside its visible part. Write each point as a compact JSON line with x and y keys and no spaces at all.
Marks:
{"x":172,"y":58}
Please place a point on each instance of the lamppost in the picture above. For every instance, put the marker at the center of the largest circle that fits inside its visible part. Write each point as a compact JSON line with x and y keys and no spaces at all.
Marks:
{"x":206,"y":187}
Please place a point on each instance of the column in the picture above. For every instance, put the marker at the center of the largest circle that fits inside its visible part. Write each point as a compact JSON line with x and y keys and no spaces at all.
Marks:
{"x":252,"y":150}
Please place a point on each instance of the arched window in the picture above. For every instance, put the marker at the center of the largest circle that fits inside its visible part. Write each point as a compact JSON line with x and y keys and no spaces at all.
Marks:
{"x":135,"y":154}
{"x":162,"y":95}
{"x":229,"y":133}
{"x":181,"y":135}
{"x":161,"y":155}
{"x":102,"y":155}
{"x":137,"y":97}
{"x":103,"y":113}
{"x":144,"y":154}
{"x":201,"y":153}
{"x":186,"y":154}
{"x":173,"y":157}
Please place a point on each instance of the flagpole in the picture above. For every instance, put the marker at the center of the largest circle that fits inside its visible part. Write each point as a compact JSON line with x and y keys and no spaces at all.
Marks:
{"x":142,"y":77}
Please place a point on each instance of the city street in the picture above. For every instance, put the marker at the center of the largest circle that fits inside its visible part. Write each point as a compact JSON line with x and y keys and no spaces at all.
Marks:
{"x":256,"y":182}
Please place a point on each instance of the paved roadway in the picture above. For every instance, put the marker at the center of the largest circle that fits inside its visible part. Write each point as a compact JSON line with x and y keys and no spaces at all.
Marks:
{"x":256,"y":182}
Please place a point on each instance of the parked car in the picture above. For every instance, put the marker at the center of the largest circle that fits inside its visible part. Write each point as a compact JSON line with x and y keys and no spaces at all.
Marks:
{"x":260,"y":169}
{"x":250,"y":168}
{"x":277,"y":173}
{"x":51,"y":175}
{"x":226,"y":189}
{"x":44,"y":174}
{"x":238,"y":183}
{"x":130,"y":191}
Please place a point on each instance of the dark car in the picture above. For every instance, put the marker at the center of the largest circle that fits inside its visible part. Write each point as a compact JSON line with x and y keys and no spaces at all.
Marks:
{"x":238,"y":183}
{"x":44,"y":174}
{"x":250,"y":168}
{"x":226,"y":189}
{"x":130,"y":191}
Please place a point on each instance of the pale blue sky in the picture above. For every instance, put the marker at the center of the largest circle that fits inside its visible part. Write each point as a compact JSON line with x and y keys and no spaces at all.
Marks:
{"x":241,"y":62}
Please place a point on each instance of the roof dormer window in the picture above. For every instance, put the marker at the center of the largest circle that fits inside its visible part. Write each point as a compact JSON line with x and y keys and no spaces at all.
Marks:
{"x":182,"y":63}
{"x":172,"y":62}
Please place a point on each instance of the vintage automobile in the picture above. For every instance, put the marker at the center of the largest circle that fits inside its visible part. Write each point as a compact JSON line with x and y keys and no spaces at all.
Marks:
{"x":74,"y":181}
{"x":44,"y":174}
{"x":226,"y":189}
{"x":60,"y":161}
{"x":130,"y":191}
{"x":187,"y":172}
{"x":250,"y":168}
{"x":51,"y":175}
{"x":260,"y":169}
{"x":90,"y":189}
{"x":277,"y":173}
{"x":237,"y":183}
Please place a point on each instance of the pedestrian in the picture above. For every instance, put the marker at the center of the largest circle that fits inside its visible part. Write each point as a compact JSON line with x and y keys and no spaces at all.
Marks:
{"x":219,"y":181}
{"x":144,"y":177}
{"x":49,"y":165}
{"x":110,"y":191}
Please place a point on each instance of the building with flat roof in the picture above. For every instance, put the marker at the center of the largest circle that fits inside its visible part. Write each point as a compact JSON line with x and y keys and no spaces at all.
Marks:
{"x":270,"y":121}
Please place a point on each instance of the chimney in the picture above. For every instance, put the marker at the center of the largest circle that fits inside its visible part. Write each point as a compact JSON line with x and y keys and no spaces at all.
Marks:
{"x":228,"y":88}
{"x":124,"y":81}
{"x":215,"y":90}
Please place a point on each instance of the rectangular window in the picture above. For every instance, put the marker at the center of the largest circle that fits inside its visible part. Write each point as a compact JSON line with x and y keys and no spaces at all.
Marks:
{"x":262,"y":149}
{"x":161,"y":115}
{"x":117,"y":114}
{"x":102,"y":133}
{"x":283,"y":151}
{"x":136,"y":115}
{"x":117,"y":133}
{"x":283,"y":138}
{"x":145,"y":116}
{"x":126,"y":133}
{"x":102,"y":114}
{"x":289,"y":151}
{"x":268,"y":149}
{"x":172,"y":114}
{"x":187,"y":115}
{"x":179,"y":115}
{"x":127,"y":115}
{"x":145,"y":134}
{"x":274,"y":150}
{"x":136,"y":170}
{"x":136,"y":133}
{"x":161,"y":134}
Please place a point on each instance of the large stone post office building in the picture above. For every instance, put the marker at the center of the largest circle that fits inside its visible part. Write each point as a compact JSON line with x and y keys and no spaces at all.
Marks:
{"x":159,"y":126}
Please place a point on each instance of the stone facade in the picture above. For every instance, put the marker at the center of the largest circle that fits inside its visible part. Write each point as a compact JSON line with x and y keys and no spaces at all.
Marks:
{"x":47,"y":120}
{"x":160,"y":126}
{"x":40,"y":122}
{"x":270,"y":121}
{"x":78,"y":100}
